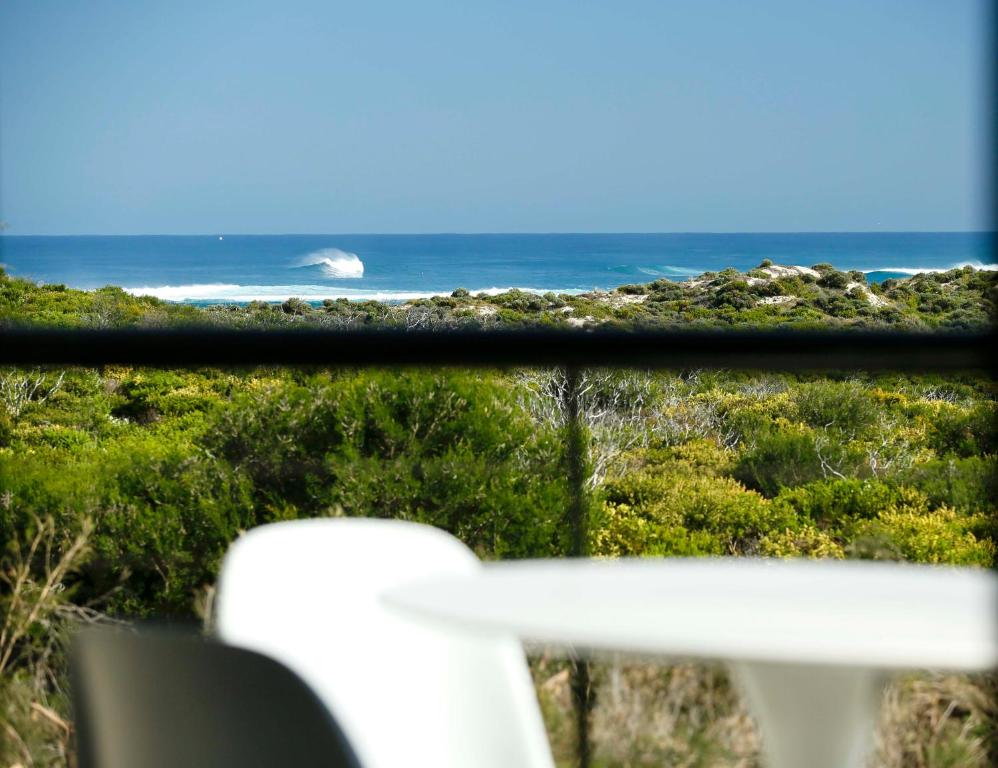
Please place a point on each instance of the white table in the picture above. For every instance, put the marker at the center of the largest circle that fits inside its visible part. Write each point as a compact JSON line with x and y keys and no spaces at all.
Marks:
{"x":811,"y":643}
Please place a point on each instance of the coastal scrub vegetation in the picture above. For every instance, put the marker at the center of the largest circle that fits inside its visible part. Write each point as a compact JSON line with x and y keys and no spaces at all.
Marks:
{"x":768,"y":296}
{"x":121,"y":488}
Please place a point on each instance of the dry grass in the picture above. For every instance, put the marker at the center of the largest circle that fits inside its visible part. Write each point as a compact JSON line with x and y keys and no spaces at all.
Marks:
{"x":939,"y":721}
{"x":651,"y":715}
{"x":690,"y":715}
{"x":32,"y":579}
{"x":35,"y":623}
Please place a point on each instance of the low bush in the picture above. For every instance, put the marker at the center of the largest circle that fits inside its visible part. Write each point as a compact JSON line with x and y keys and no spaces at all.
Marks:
{"x":834,"y":279}
{"x":624,"y":531}
{"x":295,"y":306}
{"x":966,"y":484}
{"x":449,"y":449}
{"x":943,"y":536}
{"x":780,"y":458}
{"x":645,"y":511}
{"x":838,"y":502}
{"x":843,"y":406}
{"x":805,"y":541}
{"x":963,"y":431}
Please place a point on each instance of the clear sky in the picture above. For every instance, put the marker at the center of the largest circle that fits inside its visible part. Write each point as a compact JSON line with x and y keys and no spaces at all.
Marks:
{"x":492,"y":116}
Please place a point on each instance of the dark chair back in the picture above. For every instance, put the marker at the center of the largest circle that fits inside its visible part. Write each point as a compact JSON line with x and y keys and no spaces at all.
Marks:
{"x":168,"y":700}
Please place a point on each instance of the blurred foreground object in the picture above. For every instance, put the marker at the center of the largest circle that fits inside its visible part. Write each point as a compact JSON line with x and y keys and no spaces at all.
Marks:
{"x":811,"y":643}
{"x":406,"y":691}
{"x":163,"y":700}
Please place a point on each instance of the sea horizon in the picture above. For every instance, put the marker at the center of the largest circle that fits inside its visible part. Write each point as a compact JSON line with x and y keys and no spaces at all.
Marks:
{"x":531,"y":233}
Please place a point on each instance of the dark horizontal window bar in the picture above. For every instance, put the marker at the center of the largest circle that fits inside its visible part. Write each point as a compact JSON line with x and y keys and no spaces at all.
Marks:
{"x":773,"y":350}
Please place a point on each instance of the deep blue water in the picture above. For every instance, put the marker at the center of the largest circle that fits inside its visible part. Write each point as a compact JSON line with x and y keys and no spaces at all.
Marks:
{"x":244,"y":267}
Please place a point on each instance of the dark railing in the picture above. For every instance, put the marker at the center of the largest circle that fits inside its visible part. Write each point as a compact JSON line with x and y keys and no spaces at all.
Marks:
{"x":761,"y":350}
{"x":572,"y":350}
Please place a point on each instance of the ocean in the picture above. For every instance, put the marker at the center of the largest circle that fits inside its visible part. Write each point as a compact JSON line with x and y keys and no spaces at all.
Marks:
{"x":240,"y":268}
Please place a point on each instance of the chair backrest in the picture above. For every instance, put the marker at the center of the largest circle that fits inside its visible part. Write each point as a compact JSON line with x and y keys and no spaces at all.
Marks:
{"x":405,"y":692}
{"x":163,"y":699}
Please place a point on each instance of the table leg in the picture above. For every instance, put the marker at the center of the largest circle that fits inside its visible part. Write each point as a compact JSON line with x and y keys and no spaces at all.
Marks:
{"x":815,"y":716}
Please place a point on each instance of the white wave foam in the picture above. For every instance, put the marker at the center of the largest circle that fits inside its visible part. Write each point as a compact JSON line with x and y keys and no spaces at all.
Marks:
{"x":932,"y":270}
{"x":335,"y":263}
{"x":668,"y":271}
{"x":228,"y":292}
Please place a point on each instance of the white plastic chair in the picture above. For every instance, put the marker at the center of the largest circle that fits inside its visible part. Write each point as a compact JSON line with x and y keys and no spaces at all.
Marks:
{"x":307,"y":593}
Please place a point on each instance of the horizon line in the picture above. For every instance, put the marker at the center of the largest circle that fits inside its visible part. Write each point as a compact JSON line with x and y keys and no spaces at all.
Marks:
{"x":511,"y":233}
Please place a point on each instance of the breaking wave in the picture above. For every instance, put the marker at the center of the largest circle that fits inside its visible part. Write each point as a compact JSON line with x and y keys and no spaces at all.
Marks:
{"x":922,"y":270}
{"x":669,"y":271}
{"x":228,"y":292}
{"x":655,"y":270}
{"x":334,"y":263}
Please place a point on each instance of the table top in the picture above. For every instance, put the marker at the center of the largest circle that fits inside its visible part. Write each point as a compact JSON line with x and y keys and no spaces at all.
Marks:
{"x":866,"y":614}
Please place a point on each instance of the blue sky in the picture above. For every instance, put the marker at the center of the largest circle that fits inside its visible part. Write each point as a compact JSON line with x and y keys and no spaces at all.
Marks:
{"x":540,"y":116}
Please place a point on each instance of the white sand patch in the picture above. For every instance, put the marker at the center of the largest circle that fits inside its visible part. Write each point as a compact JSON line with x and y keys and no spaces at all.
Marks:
{"x":618,"y":300}
{"x":877,"y":301}
{"x":579,"y":322}
{"x":566,"y":310}
{"x":771,"y":300}
{"x":755,"y":280}
{"x":776,"y":270}
{"x":871,"y":298}
{"x":486,"y":310}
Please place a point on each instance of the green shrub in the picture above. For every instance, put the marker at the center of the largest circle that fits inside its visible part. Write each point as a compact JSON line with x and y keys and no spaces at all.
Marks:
{"x":6,"y":428}
{"x":147,"y":395}
{"x":967,"y":484}
{"x":554,"y":301}
{"x":834,"y":279}
{"x":942,"y":536}
{"x":805,"y":541}
{"x":725,"y":507}
{"x":61,"y":437}
{"x":735,"y":295}
{"x":517,"y":300}
{"x":449,"y":449}
{"x":163,"y":512}
{"x":780,"y":459}
{"x":700,"y":455}
{"x":633,"y":290}
{"x":167,"y":515}
{"x":295,"y":306}
{"x":964,"y":431}
{"x":834,"y":503}
{"x":843,"y":406}
{"x":624,"y":532}
{"x":664,"y":290}
{"x":657,"y":500}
